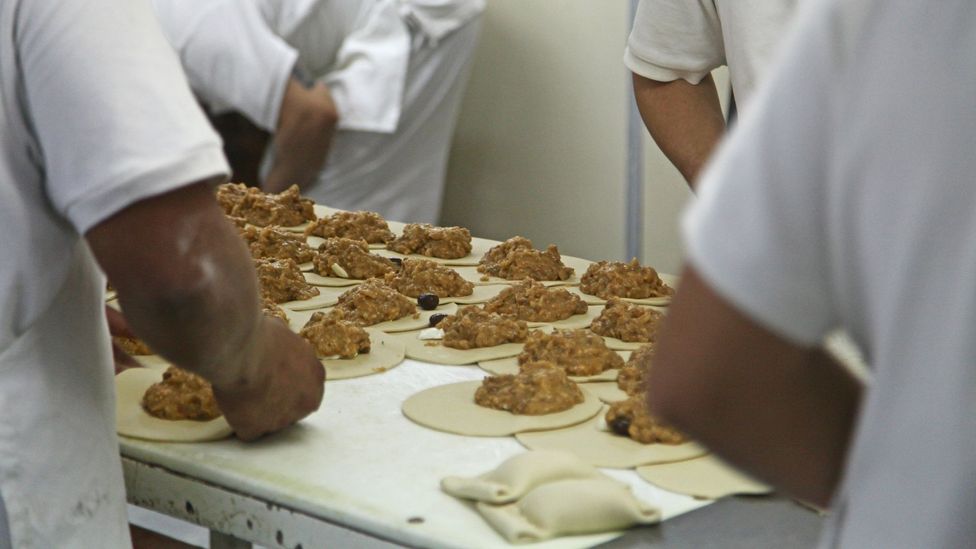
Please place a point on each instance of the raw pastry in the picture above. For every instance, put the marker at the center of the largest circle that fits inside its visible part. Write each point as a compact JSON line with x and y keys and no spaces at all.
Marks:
{"x":539,"y":388}
{"x":707,"y":477}
{"x":132,"y":421}
{"x":368,"y":226}
{"x":628,"y":322}
{"x":608,"y":279}
{"x":429,"y":241}
{"x":517,"y":475}
{"x":385,"y":353}
{"x":347,"y":258}
{"x":578,"y":352}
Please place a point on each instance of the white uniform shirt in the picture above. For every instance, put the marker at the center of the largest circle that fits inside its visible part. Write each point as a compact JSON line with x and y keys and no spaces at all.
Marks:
{"x":94,"y":115}
{"x":846,"y":198}
{"x":687,"y":39}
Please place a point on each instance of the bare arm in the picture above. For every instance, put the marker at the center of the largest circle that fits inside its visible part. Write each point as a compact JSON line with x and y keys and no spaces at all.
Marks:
{"x":685,"y":120}
{"x":187,"y":286}
{"x":782,"y":412}
{"x":302,"y":139}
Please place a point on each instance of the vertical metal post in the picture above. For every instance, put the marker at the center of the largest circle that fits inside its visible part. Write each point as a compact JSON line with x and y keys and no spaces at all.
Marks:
{"x":634,"y":199}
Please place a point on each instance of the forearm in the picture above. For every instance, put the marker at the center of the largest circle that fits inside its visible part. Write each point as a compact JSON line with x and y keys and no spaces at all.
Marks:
{"x":685,"y":120}
{"x":778,"y":411}
{"x":186,"y":283}
{"x":306,"y":126}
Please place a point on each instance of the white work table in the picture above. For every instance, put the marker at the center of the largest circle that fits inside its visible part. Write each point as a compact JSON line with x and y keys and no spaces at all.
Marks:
{"x":357,"y":473}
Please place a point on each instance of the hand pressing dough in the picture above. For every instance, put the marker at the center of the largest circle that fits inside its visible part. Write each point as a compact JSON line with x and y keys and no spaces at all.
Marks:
{"x":663,"y":301}
{"x":707,"y":477}
{"x":385,"y":353}
{"x":602,"y":448}
{"x":569,"y":507}
{"x":298,"y":318}
{"x":479,"y":247}
{"x":510,"y":365}
{"x":451,"y":408}
{"x":132,"y":421}
{"x":517,"y":475}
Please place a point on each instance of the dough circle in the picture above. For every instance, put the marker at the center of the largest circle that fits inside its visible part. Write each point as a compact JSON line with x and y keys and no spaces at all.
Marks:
{"x":451,"y":408}
{"x":503,"y":366}
{"x":707,"y":477}
{"x":605,"y":449}
{"x":607,"y":391}
{"x":298,"y":318}
{"x":434,"y":351}
{"x":325,"y":298}
{"x":132,"y":421}
{"x":664,"y":301}
{"x":574,"y":322}
{"x":479,"y":247}
{"x":385,"y":353}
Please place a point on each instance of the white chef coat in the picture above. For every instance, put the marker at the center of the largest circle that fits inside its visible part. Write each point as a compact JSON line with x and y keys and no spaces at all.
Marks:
{"x":846,"y":198}
{"x":94,"y":115}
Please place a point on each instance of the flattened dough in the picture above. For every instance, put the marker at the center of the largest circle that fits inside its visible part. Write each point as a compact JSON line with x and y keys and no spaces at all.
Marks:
{"x":707,"y":477}
{"x":670,"y":280}
{"x":621,"y":345}
{"x":434,"y":351}
{"x":479,"y":294}
{"x":385,"y":353}
{"x":316,"y":279}
{"x":605,"y":449}
{"x":510,"y":365}
{"x":327,"y":297}
{"x":132,"y":421}
{"x":574,"y":322}
{"x":451,"y":408}
{"x":479,"y":247}
{"x":517,"y":475}
{"x":607,"y":391}
{"x":568,"y":507}
{"x":298,"y":318}
{"x":471,"y":274}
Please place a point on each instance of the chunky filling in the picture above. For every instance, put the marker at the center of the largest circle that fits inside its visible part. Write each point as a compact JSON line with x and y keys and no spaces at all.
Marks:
{"x":632,"y":377}
{"x":281,"y":281}
{"x":539,"y":388}
{"x":608,"y":279}
{"x":368,"y":226}
{"x":531,"y":301}
{"x":132,"y":345}
{"x":181,"y":395}
{"x":428,"y":240}
{"x":373,"y":302}
{"x":627,"y":322}
{"x":286,"y":208}
{"x":346,"y":258}
{"x":516,"y":259}
{"x":332,"y":336}
{"x":630,"y":418}
{"x":273,"y":243}
{"x":272,"y":310}
{"x":422,"y":276}
{"x":473,"y":327}
{"x":577,"y":352}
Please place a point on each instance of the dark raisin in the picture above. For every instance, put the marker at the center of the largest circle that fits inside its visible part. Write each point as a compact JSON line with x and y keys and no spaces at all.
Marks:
{"x":428,"y":301}
{"x":436,"y":319}
{"x":620,"y":425}
{"x":397,"y":262}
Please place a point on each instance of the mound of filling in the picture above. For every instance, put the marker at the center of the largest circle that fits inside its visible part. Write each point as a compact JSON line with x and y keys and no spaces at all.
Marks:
{"x":373,"y":302}
{"x":608,"y":279}
{"x":428,"y":240}
{"x":540,"y":388}
{"x":630,"y":418}
{"x":286,"y":208}
{"x":577,"y":352}
{"x":332,"y":336}
{"x":422,"y":276}
{"x":272,"y":242}
{"x":181,"y":395}
{"x":272,"y":310}
{"x":281,"y":280}
{"x":632,"y":377}
{"x":347,"y":258}
{"x":368,"y":226}
{"x":627,"y":322}
{"x":516,"y":259}
{"x":531,"y":301}
{"x":473,"y":327}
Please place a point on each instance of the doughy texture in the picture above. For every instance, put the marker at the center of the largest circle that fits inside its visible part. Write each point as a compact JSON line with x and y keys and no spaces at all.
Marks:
{"x":131,"y":419}
{"x":287,"y":208}
{"x":474,"y":327}
{"x":706,"y":477}
{"x":515,"y":259}
{"x":596,"y":445}
{"x":420,"y":276}
{"x":569,"y":507}
{"x":517,"y":475}
{"x":530,"y":301}
{"x":428,"y":240}
{"x":385,"y":353}
{"x":539,"y":388}
{"x":368,"y":226}
{"x":627,"y":322}
{"x":346,"y":258}
{"x":577,"y":352}
{"x":451,"y":408}
{"x":330,"y":336}
{"x":281,"y":281}
{"x":373,"y":302}
{"x":272,"y":242}
{"x":608,"y":279}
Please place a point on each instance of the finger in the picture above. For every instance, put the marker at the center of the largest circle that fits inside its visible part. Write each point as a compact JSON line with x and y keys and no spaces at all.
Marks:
{"x":117,"y":324}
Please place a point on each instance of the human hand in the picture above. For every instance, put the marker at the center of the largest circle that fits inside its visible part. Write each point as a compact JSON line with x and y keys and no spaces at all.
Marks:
{"x":288,"y":385}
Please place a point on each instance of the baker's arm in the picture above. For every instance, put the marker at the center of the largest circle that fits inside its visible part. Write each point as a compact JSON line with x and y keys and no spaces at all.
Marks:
{"x":187,"y":285}
{"x":780,"y":411}
{"x":685,"y":120}
{"x":306,"y":125}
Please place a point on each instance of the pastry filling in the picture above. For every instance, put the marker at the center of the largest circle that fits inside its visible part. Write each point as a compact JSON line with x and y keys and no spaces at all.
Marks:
{"x":577,"y":352}
{"x":627,"y":322}
{"x":332,"y":336}
{"x":540,"y":388}
{"x":352,"y":258}
{"x":473,"y":327}
{"x":373,"y":302}
{"x":516,"y":259}
{"x":608,"y":279}
{"x":272,"y":242}
{"x":428,"y":240}
{"x":630,"y":418}
{"x":531,"y":301}
{"x":421,"y":276}
{"x":368,"y":226}
{"x":181,"y":395}
{"x":632,"y":377}
{"x":281,"y":280}
{"x":286,"y":208}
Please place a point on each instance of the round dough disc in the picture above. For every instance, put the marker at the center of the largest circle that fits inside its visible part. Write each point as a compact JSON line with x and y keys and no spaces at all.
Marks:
{"x":132,"y":421}
{"x":385,"y":353}
{"x":298,"y":318}
{"x":621,"y":345}
{"x":451,"y":408}
{"x":503,"y":366}
{"x":607,"y":391}
{"x":480,"y":294}
{"x":434,"y":350}
{"x":606,"y":449}
{"x":707,"y":477}
{"x":297,"y":228}
{"x":574,"y":322}
{"x":479,"y":247}
{"x":670,"y":280}
{"x":472,"y":275}
{"x":316,"y":279}
{"x":326,"y":298}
